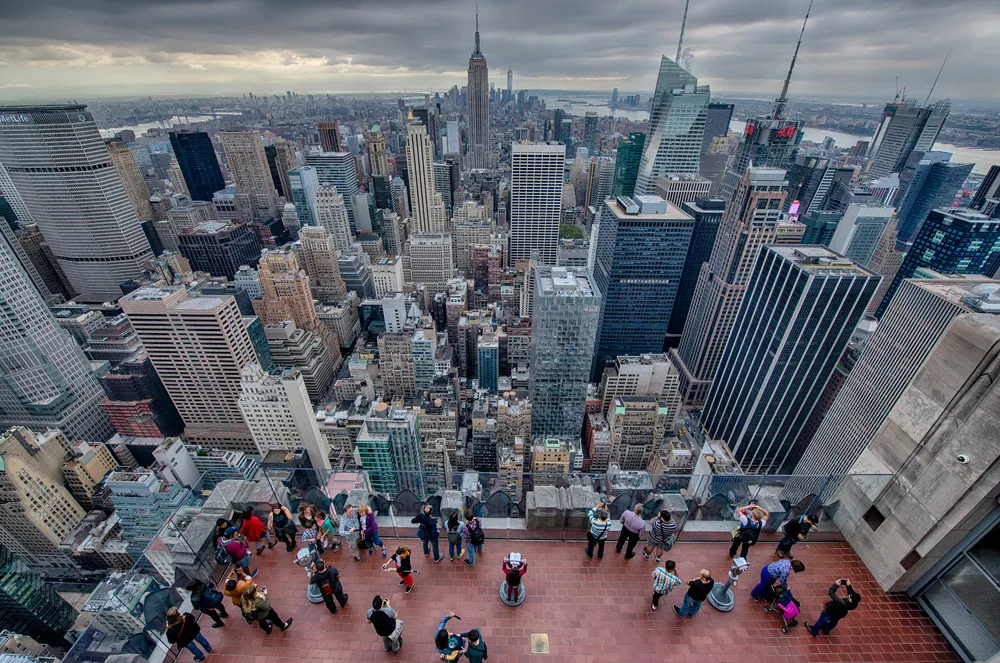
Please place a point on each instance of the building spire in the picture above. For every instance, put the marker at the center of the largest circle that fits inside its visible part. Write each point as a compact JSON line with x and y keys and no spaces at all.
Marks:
{"x":477,"y":30}
{"x":782,"y":100}
{"x":680,"y":42}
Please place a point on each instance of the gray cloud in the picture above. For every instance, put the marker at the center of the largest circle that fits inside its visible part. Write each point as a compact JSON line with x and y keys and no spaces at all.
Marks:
{"x":852,"y":47}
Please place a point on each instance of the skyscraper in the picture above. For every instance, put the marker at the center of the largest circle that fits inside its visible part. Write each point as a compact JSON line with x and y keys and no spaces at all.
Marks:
{"x":220,"y":247}
{"x":750,"y":221}
{"x":132,"y":179}
{"x":537,"y":171}
{"x":329,"y":137}
{"x":510,"y":84}
{"x":199,"y":346}
{"x":320,"y":257}
{"x":247,"y":163}
{"x":13,"y":198}
{"x":425,"y":201}
{"x":567,"y":308}
{"x":286,"y":290}
{"x":428,"y":259}
{"x":935,"y":185}
{"x":627,"y":165}
{"x":59,"y":164}
{"x":199,"y":164}
{"x":641,"y":248}
{"x":339,"y":169}
{"x":388,"y":446}
{"x":716,"y":123}
{"x":303,"y":183}
{"x":707,"y":213}
{"x":331,"y":213}
{"x":376,"y":151}
{"x":912,"y":326}
{"x":676,"y":126}
{"x":988,"y":190}
{"x":479,"y":108}
{"x":590,"y":131}
{"x":137,"y":403}
{"x":45,"y":379}
{"x":29,"y":605}
{"x":801,"y":305}
{"x":639,"y":425}
{"x":951,"y":241}
{"x":905,"y":127}
{"x":859,"y":231}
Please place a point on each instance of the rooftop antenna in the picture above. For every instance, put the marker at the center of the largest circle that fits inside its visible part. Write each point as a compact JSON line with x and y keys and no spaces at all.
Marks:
{"x":680,"y":42}
{"x":896,"y":98}
{"x":782,"y":100}
{"x":938,"y":76}
{"x":477,"y":29}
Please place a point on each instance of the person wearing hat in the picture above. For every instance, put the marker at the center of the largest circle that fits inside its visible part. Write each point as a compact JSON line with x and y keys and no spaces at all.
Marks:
{"x":597,"y":535}
{"x":237,"y":550}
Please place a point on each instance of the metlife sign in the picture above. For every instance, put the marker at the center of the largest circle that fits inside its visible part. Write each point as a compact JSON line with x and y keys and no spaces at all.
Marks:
{"x":15,"y":119}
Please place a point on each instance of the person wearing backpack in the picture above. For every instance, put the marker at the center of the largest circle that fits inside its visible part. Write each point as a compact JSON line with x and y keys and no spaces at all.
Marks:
{"x":386,"y":623}
{"x":428,"y":532}
{"x":183,"y":631}
{"x":597,"y":535}
{"x":795,"y":530}
{"x":475,"y":650}
{"x":327,"y":578}
{"x":474,"y":537}
{"x":753,"y":519}
{"x":208,"y":601}
{"x":279,"y":521}
{"x":233,"y":546}
{"x":455,"y":536}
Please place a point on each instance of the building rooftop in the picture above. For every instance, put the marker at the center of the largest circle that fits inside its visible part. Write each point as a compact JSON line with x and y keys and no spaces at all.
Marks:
{"x":566,"y":281}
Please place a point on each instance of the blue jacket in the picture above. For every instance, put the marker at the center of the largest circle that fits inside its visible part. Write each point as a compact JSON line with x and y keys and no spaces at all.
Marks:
{"x":457,"y":640}
{"x":429,"y":523}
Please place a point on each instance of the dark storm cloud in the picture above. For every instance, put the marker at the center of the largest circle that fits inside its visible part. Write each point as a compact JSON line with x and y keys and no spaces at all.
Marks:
{"x":854,"y":47}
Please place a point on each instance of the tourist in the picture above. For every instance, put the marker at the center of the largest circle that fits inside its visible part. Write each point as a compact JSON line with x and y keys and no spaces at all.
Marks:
{"x":236,"y":548}
{"x":256,"y":604}
{"x":326,"y":524}
{"x":209,"y":601}
{"x":279,"y":522}
{"x":428,"y":532}
{"x":474,"y":537}
{"x":795,"y":530}
{"x":255,"y":531}
{"x":664,"y":580}
{"x":311,"y":536}
{"x":775,"y":572}
{"x":183,"y":630}
{"x":752,"y":522}
{"x":836,"y":609}
{"x":450,"y":645}
{"x":456,"y":533}
{"x":632,"y":528}
{"x":513,"y":571}
{"x":475,"y":651}
{"x":698,"y":591}
{"x":327,"y":578}
{"x":662,"y":532}
{"x":386,"y":623}
{"x":350,"y":530}
{"x":236,"y":585}
{"x":221,"y":525}
{"x":401,"y":565}
{"x":307,"y":515}
{"x":597,"y":535}
{"x":370,"y":527}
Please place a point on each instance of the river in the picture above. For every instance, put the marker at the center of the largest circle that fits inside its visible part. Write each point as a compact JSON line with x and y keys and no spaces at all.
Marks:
{"x":140,"y":129}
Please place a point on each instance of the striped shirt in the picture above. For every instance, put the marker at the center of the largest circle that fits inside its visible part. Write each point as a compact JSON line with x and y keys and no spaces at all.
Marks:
{"x":598,"y":530}
{"x":664,"y":581}
{"x":660,"y":532}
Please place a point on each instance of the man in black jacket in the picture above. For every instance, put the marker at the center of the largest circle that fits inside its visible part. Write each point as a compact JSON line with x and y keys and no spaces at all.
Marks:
{"x":428,"y":531}
{"x":328,"y":580}
{"x":836,"y":609}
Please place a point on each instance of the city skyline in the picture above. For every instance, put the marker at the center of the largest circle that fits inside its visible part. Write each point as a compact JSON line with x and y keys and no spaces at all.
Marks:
{"x":55,"y":52}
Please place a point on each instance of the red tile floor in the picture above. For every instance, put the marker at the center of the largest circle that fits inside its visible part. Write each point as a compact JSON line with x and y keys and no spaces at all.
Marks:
{"x":591,"y":610}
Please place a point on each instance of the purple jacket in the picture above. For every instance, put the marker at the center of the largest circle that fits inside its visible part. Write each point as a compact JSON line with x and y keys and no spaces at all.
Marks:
{"x":370,"y":526}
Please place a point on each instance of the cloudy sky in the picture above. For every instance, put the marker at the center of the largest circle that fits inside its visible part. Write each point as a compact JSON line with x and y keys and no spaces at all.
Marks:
{"x":90,"y":48}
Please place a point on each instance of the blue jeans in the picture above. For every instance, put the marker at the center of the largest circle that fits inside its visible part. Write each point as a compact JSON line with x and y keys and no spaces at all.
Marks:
{"x":759,"y":592}
{"x":472,"y":552}
{"x":372,"y":541}
{"x":193,"y":648}
{"x":455,"y":549}
{"x":690,"y":607}
{"x":432,"y":543}
{"x":824,"y":623}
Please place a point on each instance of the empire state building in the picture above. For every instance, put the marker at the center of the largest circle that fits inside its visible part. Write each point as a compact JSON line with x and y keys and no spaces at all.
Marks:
{"x":479,"y":108}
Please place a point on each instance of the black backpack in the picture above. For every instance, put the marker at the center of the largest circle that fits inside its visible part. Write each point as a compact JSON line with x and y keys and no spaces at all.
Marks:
{"x":383,"y":623}
{"x":476,"y":533}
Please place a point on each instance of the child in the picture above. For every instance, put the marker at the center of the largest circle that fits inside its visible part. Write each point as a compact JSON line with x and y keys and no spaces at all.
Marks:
{"x":664,"y":579}
{"x":401,"y":560}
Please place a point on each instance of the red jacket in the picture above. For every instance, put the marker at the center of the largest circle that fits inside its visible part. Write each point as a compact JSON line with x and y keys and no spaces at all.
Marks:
{"x":253,"y":528}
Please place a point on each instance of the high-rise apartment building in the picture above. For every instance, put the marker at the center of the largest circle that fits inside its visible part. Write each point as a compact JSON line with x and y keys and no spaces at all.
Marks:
{"x":387,"y":276}
{"x":388,"y":446}
{"x":86,"y":470}
{"x":320,"y":257}
{"x":36,"y":508}
{"x":627,"y":160}
{"x":676,"y":126}
{"x":479,"y":108}
{"x":750,"y":221}
{"x":641,"y":248}
{"x":314,"y":354}
{"x":199,"y":346}
{"x":859,"y":231}
{"x":645,"y":375}
{"x":144,"y":501}
{"x":280,"y":415}
{"x":427,"y":259}
{"x":395,"y":361}
{"x":564,"y":323}
{"x":950,"y":241}
{"x":60,"y":166}
{"x":329,"y":137}
{"x":912,"y":326}
{"x":905,"y":127}
{"x":376,"y":151}
{"x":132,"y":179}
{"x":303,"y":183}
{"x":935,"y":185}
{"x":137,"y":403}
{"x":287,"y":294}
{"x":198,"y":162}
{"x":801,"y":306}
{"x":426,"y":203}
{"x":639,"y":425}
{"x":537,"y":172}
{"x":247,"y":163}
{"x":29,"y":605}
{"x":45,"y":379}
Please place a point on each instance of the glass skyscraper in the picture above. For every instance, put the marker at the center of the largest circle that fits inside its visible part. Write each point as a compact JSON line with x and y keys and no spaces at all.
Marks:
{"x":340,"y":170}
{"x":199,"y":165}
{"x":935,"y":185}
{"x":707,"y":213}
{"x":29,"y":605}
{"x":627,"y":165}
